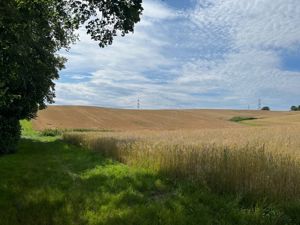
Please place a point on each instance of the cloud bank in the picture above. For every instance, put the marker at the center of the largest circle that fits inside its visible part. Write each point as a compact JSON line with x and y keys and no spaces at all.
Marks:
{"x":218,"y":54}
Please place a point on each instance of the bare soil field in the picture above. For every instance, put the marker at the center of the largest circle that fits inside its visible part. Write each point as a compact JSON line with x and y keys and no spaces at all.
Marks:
{"x":84,"y":117}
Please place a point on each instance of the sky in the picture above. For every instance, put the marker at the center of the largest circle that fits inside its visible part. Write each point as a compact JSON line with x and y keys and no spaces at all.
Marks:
{"x":192,"y":54}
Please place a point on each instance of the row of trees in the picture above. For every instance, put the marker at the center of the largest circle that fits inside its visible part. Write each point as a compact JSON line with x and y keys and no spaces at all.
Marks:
{"x":295,"y":108}
{"x":31,"y":34}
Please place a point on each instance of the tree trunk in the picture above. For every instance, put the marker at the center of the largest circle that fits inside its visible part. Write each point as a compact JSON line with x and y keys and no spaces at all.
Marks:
{"x":10,"y":132}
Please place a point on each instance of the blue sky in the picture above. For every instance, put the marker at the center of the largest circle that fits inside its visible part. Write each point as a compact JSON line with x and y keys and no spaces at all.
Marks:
{"x":192,"y":54}
{"x":181,"y":4}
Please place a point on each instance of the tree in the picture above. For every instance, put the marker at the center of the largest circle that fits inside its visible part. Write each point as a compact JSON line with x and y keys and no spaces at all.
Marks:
{"x":294,"y":108}
{"x":266,"y":108}
{"x":31,"y":33}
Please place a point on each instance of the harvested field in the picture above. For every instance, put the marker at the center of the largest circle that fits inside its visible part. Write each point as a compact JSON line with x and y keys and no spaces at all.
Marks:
{"x":83,"y":117}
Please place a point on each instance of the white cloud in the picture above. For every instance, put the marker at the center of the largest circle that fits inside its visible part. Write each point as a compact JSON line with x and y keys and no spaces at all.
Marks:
{"x":255,"y":23}
{"x":224,"y":53}
{"x":156,"y":10}
{"x":257,"y":30}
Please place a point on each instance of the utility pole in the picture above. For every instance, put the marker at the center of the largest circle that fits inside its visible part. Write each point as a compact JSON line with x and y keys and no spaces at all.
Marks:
{"x":259,"y":104}
{"x":138,"y":103}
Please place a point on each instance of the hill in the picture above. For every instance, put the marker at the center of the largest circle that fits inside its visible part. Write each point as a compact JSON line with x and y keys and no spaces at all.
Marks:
{"x":85,"y":117}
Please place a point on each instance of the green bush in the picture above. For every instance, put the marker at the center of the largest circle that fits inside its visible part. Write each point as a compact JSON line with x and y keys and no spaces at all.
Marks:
{"x":10,"y":131}
{"x":241,"y":118}
{"x":51,"y":132}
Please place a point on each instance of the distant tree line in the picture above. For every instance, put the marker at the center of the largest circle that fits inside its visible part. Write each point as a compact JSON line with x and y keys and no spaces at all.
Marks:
{"x":295,"y":108}
{"x":266,"y":108}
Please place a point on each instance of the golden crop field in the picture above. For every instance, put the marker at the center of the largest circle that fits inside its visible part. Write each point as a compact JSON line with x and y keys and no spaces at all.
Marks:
{"x":84,"y":117}
{"x":260,"y":157}
{"x":261,"y":161}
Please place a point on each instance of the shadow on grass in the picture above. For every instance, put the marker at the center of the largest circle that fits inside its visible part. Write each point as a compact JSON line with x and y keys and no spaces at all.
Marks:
{"x":55,"y":183}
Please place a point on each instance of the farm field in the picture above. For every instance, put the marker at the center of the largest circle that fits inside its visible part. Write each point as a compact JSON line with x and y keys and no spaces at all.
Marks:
{"x":83,"y":117}
{"x":222,"y":172}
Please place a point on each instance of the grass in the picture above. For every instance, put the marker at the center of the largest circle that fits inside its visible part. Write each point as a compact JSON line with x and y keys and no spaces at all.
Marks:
{"x":27,"y":130}
{"x":45,"y":136}
{"x":50,"y":182}
{"x":241,"y":118}
{"x":247,"y":120}
{"x":51,"y":132}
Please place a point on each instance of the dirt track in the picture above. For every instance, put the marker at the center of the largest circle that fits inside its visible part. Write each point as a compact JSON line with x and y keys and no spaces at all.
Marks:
{"x":72,"y":117}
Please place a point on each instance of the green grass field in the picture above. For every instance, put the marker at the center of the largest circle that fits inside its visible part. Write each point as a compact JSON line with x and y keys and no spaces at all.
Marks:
{"x":50,"y":182}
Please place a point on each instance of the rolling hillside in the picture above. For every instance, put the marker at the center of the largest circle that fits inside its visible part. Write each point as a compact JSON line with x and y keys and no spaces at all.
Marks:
{"x":75,"y":117}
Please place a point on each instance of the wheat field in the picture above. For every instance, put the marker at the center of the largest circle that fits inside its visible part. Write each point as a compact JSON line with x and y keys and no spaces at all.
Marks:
{"x":262,"y":162}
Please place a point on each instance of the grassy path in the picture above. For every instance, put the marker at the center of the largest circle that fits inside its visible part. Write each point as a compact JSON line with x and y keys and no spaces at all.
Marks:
{"x":49,"y":182}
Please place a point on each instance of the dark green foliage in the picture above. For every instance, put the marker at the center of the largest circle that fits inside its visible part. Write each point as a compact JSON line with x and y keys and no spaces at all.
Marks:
{"x":51,"y":132}
{"x":241,"y":118}
{"x":31,"y":33}
{"x":292,"y":209}
{"x":295,"y":108}
{"x":266,"y":108}
{"x":9,"y":132}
